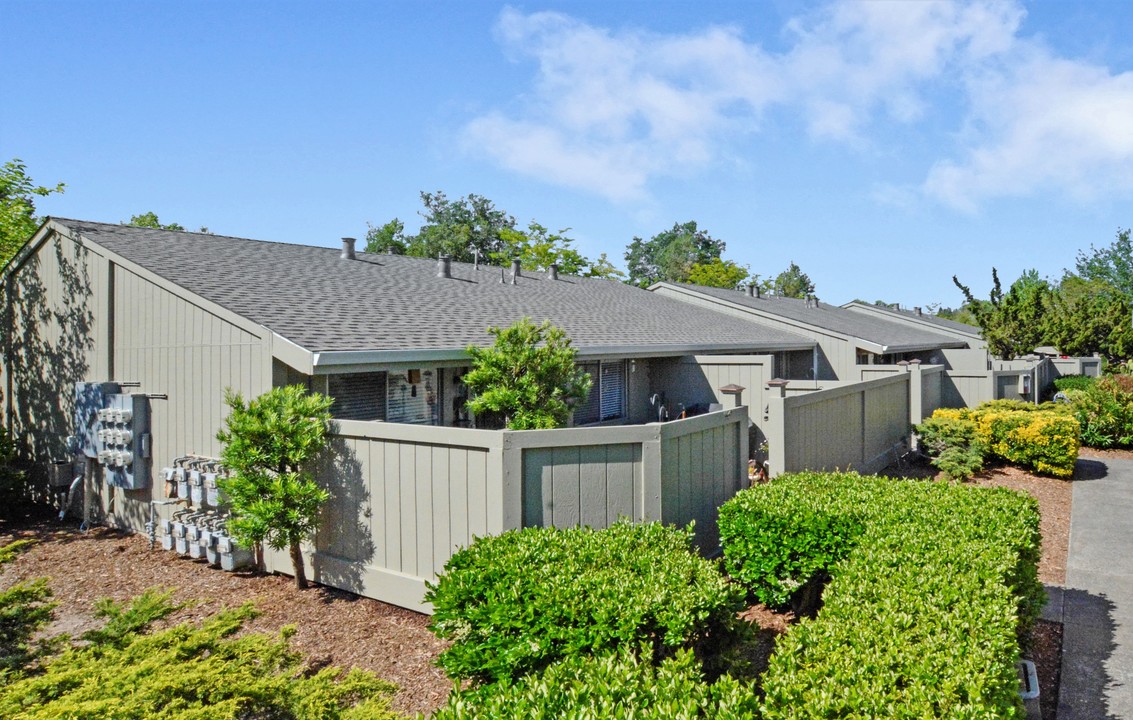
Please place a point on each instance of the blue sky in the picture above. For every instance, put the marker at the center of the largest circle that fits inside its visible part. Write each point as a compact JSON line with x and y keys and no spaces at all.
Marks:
{"x":882,"y":146}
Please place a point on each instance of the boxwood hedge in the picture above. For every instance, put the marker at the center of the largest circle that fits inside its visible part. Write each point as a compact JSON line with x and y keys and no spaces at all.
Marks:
{"x":616,"y":685}
{"x":516,"y":602}
{"x":932,"y":584}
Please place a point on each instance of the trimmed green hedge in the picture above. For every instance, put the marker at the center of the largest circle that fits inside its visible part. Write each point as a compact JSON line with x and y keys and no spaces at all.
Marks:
{"x":514,"y":603}
{"x":1074,"y":382}
{"x":929,"y":593}
{"x":615,"y":686}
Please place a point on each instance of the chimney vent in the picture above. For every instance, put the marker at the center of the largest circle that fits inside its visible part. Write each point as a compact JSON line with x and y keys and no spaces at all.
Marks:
{"x":514,"y":271}
{"x":348,"y":249}
{"x":758,"y":293}
{"x":751,"y":289}
{"x":553,"y":272}
{"x":917,"y":310}
{"x":444,"y":266}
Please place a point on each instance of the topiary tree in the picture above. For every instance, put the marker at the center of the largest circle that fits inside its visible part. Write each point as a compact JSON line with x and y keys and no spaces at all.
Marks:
{"x":269,"y":443}
{"x":528,"y":379}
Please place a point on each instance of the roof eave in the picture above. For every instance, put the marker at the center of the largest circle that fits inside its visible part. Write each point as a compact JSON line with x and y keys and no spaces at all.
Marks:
{"x":341,"y":358}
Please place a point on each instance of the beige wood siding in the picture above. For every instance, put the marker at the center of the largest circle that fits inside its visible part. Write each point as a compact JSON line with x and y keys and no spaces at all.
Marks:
{"x":55,"y":335}
{"x":174,"y":347}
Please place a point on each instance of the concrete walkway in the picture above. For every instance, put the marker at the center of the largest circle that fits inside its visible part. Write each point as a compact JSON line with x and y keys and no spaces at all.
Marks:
{"x":1096,"y":607}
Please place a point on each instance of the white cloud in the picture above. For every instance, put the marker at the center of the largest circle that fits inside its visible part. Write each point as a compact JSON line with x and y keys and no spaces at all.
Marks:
{"x":1044,"y":125}
{"x":611,"y":110}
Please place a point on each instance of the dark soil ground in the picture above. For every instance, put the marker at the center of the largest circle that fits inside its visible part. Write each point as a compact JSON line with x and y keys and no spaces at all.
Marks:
{"x":347,"y":631}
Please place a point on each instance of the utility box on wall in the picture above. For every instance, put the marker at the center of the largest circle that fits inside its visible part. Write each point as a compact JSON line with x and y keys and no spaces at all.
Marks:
{"x":89,"y":399}
{"x":114,"y":428}
{"x":124,"y":450}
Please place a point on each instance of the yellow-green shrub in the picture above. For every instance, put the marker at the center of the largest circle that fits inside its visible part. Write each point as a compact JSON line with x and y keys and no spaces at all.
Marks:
{"x":1041,"y":438}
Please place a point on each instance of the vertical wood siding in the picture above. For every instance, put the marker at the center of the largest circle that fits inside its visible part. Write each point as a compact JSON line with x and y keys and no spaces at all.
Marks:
{"x":177,"y":348}
{"x":55,"y":335}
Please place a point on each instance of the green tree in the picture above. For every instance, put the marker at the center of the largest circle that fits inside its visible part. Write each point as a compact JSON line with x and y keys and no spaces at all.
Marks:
{"x":458,"y":228}
{"x":670,"y":255}
{"x":603,"y":268}
{"x":1090,"y":316}
{"x":1112,"y":265}
{"x":793,"y":283}
{"x":17,"y":207}
{"x":718,"y":273}
{"x":387,"y":238}
{"x":538,"y":249}
{"x":1012,"y":323}
{"x":150,"y":220}
{"x":528,"y":379}
{"x":269,"y":444}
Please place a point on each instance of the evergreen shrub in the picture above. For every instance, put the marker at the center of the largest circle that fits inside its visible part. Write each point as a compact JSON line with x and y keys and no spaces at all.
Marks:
{"x":926,"y":604}
{"x":514,"y":603}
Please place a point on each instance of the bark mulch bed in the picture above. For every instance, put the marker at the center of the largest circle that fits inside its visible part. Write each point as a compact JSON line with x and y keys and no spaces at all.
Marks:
{"x":333,"y":627}
{"x":338,"y":628}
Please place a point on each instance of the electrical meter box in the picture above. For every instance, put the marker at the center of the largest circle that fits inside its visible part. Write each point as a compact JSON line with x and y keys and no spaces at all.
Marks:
{"x":124,"y":443}
{"x":89,"y":399}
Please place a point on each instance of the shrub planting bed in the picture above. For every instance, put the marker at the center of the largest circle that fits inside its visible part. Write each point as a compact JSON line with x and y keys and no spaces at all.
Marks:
{"x":931,"y":586}
{"x":1044,"y":438}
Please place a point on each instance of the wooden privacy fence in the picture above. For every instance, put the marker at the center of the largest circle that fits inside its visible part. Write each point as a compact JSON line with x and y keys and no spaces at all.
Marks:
{"x":859,"y":426}
{"x":404,"y":498}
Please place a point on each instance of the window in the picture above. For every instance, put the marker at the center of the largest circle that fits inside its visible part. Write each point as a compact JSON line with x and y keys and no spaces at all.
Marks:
{"x":607,"y":399}
{"x":358,"y":396}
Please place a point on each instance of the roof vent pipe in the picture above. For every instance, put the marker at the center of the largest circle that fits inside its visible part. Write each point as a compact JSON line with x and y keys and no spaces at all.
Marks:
{"x":475,"y":258}
{"x":348,"y":249}
{"x":917,"y":310}
{"x":758,"y":292}
{"x":444,"y":266}
{"x":751,"y":289}
{"x":553,"y":271}
{"x":502,"y":280}
{"x":514,"y":271}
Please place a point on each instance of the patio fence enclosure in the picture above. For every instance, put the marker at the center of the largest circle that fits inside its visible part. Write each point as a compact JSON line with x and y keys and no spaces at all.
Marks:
{"x":404,"y":498}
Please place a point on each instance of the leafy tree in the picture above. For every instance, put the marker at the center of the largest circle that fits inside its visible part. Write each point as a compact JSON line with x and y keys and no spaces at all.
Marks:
{"x":528,"y":379}
{"x":670,"y":255}
{"x":718,"y":273}
{"x":269,"y":444}
{"x":17,"y":207}
{"x":456,"y":228}
{"x":961,"y":314}
{"x":538,"y":249}
{"x":603,"y":268}
{"x":793,"y":283}
{"x":149,"y":220}
{"x":1111,"y":265}
{"x":1012,"y":323}
{"x":387,"y":238}
{"x":1090,"y":316}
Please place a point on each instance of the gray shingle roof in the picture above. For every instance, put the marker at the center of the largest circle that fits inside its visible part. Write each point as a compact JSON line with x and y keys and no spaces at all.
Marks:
{"x":893,"y":336}
{"x":323,"y":303}
{"x":944,"y":323}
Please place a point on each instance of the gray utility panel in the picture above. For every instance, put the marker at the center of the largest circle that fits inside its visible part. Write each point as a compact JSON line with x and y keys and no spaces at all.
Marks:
{"x":114,"y":428}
